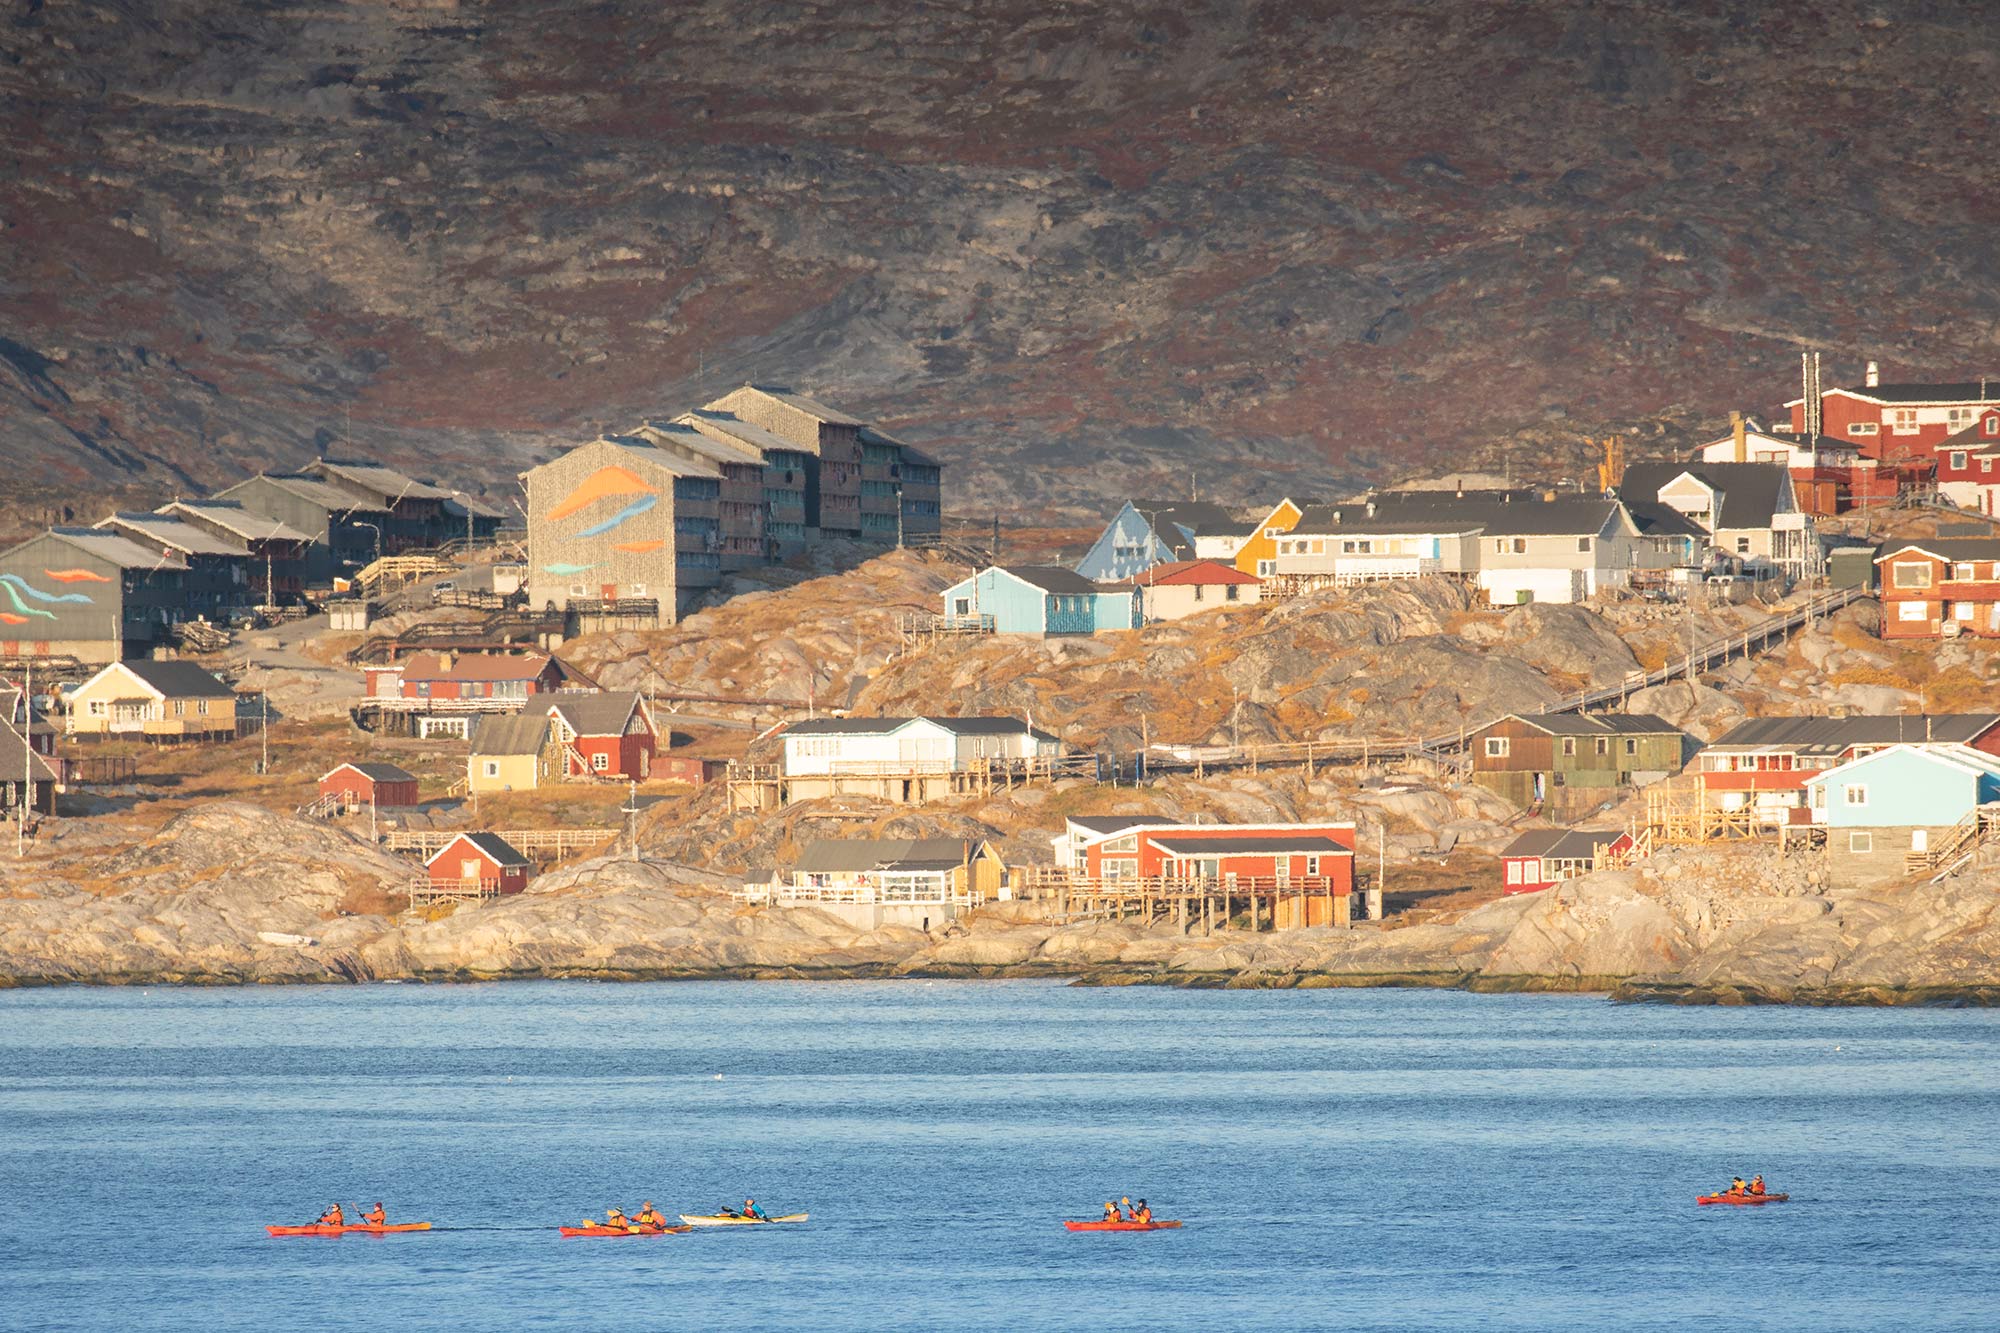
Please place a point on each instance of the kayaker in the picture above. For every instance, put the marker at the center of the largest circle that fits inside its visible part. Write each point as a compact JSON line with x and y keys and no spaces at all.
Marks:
{"x":649,"y":1216}
{"x":1737,"y":1187}
{"x":750,"y":1209}
{"x":1111,"y":1212}
{"x":1756,"y":1184}
{"x":375,"y":1217}
{"x":615,"y":1219}
{"x":1142,"y":1213}
{"x":332,"y":1217}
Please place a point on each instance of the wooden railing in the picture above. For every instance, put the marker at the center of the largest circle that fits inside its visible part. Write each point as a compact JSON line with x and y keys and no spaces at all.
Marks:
{"x":424,"y":889}
{"x":531,"y":842}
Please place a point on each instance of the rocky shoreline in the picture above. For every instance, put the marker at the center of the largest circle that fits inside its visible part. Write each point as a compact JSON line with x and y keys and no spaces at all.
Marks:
{"x":228,"y":895}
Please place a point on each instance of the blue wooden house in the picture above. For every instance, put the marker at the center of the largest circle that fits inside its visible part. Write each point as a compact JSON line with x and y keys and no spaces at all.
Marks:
{"x":1147,"y":533}
{"x":1042,"y":599}
{"x":1897,"y":810}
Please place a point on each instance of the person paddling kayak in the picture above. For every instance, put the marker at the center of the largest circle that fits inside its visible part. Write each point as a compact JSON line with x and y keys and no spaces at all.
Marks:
{"x":1756,"y":1184}
{"x":375,"y":1217}
{"x":332,"y":1217}
{"x":1142,"y":1213}
{"x":1111,"y":1212}
{"x":750,"y":1209}
{"x":649,"y":1216}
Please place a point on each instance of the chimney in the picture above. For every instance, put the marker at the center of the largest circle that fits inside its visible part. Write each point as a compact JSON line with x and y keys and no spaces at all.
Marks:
{"x":1742,"y":450}
{"x":1874,"y":376}
{"x":1371,"y":509}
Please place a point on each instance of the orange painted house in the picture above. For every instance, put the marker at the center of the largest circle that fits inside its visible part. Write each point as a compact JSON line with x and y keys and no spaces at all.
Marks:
{"x":1940,"y":588}
{"x":1259,"y":553}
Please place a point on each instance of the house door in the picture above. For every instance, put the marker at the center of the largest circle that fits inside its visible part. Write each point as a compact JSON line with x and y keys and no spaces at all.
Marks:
{"x":1540,"y":793}
{"x":468,"y":869}
{"x":1920,"y":840}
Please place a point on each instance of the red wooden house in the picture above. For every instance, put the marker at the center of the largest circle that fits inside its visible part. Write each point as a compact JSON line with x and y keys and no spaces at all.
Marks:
{"x":1313,"y":858}
{"x":447,"y":676}
{"x":1940,"y":588}
{"x":1900,"y":425}
{"x":1541,"y":858}
{"x":383,"y":786}
{"x":1968,"y":465}
{"x":605,"y":735}
{"x":478,"y":865}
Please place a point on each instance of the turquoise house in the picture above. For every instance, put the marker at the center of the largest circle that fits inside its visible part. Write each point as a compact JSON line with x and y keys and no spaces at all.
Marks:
{"x":1905,"y":786}
{"x":1041,"y":599}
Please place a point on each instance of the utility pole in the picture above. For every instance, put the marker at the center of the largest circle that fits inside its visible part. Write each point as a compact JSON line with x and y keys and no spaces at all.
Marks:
{"x":632,"y":816}
{"x":264,"y":727}
{"x":27,"y":761}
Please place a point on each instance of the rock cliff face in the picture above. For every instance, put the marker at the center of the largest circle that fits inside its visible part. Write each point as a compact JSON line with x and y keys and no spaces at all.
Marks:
{"x":229,"y":894}
{"x":1269,"y":240}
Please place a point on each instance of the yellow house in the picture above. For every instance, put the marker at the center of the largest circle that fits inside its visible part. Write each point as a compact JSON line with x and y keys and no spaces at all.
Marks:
{"x":168,"y":700}
{"x":1259,"y":553}
{"x":510,"y":752}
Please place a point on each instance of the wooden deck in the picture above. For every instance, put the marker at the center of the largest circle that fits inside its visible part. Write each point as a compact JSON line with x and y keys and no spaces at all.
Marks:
{"x":768,"y":786}
{"x":543,"y":844}
{"x":1193,"y":905}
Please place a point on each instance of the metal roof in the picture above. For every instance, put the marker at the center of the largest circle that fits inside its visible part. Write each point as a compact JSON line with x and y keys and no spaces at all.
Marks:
{"x":826,"y":856}
{"x":1833,"y":734}
{"x":390,"y":484}
{"x":1250,"y":844}
{"x":882,"y":726}
{"x":718,"y":447}
{"x":511,"y":733}
{"x":666,"y":459}
{"x":1054,"y":579}
{"x":118,"y":550}
{"x":327,"y":496}
{"x":728,"y":424}
{"x":1748,"y":495}
{"x":1598,"y":724}
{"x":177,"y":680}
{"x":231,"y":516}
{"x":1948,"y":548}
{"x":182,"y":536}
{"x":595,"y":714}
{"x":374,"y":772}
{"x":1106,"y":824}
{"x":1968,"y":391}
{"x":1562,"y":844}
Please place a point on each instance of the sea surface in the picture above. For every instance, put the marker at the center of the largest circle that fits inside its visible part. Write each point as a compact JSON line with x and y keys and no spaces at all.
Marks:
{"x":1343,"y":1159}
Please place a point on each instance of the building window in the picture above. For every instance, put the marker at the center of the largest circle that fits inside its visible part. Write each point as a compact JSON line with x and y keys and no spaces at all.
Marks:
{"x":1854,"y":794}
{"x":1913,"y":611}
{"x":201,"y":707}
{"x":180,"y":707}
{"x":600,"y":762}
{"x":1266,"y":568}
{"x":1312,"y":865}
{"x":1958,"y":418}
{"x":1583,"y":543}
{"x":1742,"y":546}
{"x":1520,"y":546}
{"x":1962,"y":611}
{"x":1229,"y":593}
{"x":1604,"y":745}
{"x":1861,"y":842}
{"x":1200,"y":593}
{"x":1957,"y":463}
{"x":1569,"y":746}
{"x":1993,"y":425}
{"x":1964,"y":572}
{"x":1903,"y":421}
{"x":1863,"y":428}
{"x":492,"y":769}
{"x":1513,"y":872}
{"x":1631,"y":746}
{"x":1910,"y":574}
{"x":1496,"y":747}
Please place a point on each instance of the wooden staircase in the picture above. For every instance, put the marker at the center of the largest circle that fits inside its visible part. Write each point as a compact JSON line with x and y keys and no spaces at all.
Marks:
{"x":1953,"y":848}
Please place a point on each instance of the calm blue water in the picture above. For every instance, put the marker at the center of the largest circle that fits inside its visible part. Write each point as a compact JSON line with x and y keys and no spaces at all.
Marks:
{"x":1343,"y":1159}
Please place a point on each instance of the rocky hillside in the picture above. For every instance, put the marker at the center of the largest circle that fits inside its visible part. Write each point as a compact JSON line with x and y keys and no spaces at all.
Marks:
{"x":1081,"y":249}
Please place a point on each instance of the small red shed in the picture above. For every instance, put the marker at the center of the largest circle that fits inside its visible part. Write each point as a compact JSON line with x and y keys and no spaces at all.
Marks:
{"x":605,"y":735}
{"x":385,"y":786}
{"x":1542,"y":858}
{"x":477,"y":863}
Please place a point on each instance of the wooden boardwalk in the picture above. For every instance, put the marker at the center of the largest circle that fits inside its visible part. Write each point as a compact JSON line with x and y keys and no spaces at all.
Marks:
{"x":1202,"y":906}
{"x":545,"y":844}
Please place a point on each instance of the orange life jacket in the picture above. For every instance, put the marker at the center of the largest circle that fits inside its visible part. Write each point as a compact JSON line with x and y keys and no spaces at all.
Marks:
{"x":375,"y":1218}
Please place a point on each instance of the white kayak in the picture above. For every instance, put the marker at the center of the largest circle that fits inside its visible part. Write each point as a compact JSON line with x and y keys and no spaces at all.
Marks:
{"x":737,"y":1219}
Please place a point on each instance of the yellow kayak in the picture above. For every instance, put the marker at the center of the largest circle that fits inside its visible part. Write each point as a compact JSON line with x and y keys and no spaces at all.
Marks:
{"x":737,"y":1219}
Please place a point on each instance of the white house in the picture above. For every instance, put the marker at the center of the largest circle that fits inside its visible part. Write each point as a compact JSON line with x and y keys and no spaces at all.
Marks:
{"x":908,"y":759}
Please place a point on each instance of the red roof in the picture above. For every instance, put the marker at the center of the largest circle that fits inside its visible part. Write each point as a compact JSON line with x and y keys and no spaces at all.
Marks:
{"x":1191,"y":571}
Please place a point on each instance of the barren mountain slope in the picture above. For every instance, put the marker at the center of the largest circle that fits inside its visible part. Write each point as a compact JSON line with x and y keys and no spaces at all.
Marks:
{"x":1114,"y":241}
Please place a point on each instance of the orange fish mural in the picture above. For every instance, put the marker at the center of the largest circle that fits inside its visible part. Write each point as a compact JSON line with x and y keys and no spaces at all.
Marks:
{"x":600,"y":485}
{"x":9,"y":618}
{"x":75,"y":576}
{"x":639,"y":548}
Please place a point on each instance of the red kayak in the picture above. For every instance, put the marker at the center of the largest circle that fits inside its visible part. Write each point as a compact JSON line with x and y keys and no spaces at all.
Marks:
{"x":623,"y":1231}
{"x":1742,"y":1198}
{"x":1122,"y":1226}
{"x":316,"y":1229}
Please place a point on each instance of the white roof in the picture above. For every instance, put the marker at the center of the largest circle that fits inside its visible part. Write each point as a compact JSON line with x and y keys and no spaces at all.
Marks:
{"x":1961,"y":757}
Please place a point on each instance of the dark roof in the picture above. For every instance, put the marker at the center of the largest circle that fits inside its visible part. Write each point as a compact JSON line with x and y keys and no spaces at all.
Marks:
{"x":1654,"y":519}
{"x":375,"y":479}
{"x":492,"y":844}
{"x":179,"y":680}
{"x":1969,"y":391}
{"x":116,"y":548}
{"x":1600,"y":724}
{"x":1051,"y":578}
{"x":1192,"y":518}
{"x":1750,"y":492}
{"x":855,"y":855}
{"x":1249,"y":843}
{"x":1950,"y":548}
{"x":812,"y":407}
{"x":38,"y":767}
{"x":375,"y":772}
{"x":1561,"y":844}
{"x":511,"y":733}
{"x":1353,"y":517}
{"x":1497,"y":513}
{"x":1834,"y":734}
{"x":595,"y":714}
{"x":1117,"y":823}
{"x":879,"y":726}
